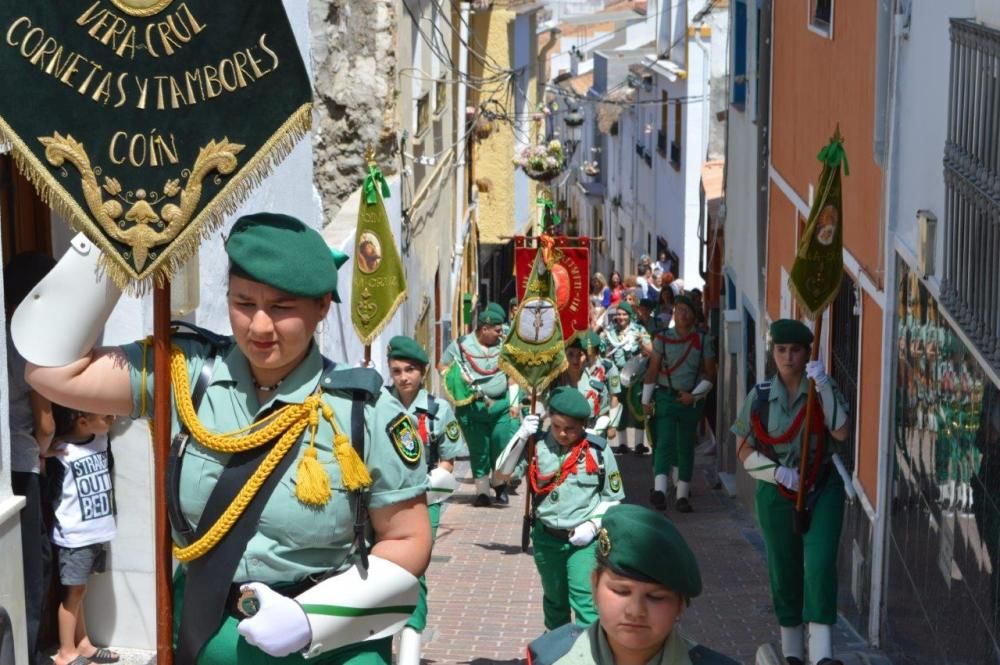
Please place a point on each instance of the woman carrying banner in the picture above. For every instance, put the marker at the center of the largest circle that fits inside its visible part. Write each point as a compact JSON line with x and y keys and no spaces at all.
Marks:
{"x":681,"y":371}
{"x":646,"y":575}
{"x":442,"y":440}
{"x":284,"y":458}
{"x":802,"y":568}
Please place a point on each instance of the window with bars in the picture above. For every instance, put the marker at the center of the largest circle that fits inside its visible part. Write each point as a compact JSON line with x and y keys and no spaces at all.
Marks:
{"x":844,"y":337}
{"x":971,"y":243}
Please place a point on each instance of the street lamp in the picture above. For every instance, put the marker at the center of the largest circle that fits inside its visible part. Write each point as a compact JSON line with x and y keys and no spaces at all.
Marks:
{"x":574,"y":120}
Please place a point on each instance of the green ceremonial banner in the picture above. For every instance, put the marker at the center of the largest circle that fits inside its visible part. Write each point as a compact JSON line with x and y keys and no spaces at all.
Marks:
{"x":819,"y":263}
{"x":144,"y":123}
{"x":379,"y":284}
{"x":533,"y":354}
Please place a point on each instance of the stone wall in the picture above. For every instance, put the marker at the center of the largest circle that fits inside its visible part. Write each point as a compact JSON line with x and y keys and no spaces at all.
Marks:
{"x":354,"y":66}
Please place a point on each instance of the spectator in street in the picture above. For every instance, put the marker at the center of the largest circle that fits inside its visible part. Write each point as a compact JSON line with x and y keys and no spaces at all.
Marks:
{"x":644,"y":278}
{"x":31,"y":431}
{"x":600,"y":294}
{"x":80,"y":478}
{"x":645,"y":577}
{"x":665,"y":307}
{"x":665,"y":263}
{"x":617,"y":288}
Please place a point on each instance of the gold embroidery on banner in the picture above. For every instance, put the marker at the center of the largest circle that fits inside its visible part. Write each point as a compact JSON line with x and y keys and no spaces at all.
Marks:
{"x":150,"y":229}
{"x":141,"y":8}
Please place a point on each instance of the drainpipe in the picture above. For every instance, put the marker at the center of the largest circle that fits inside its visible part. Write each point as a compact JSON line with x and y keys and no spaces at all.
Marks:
{"x":461,"y":164}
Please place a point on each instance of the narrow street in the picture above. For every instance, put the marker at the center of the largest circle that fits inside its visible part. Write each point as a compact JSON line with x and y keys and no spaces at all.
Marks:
{"x":485,"y":595}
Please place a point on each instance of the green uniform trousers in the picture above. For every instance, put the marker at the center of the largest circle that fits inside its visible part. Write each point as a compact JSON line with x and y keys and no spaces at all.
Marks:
{"x":676,"y":430}
{"x":418,"y":621}
{"x":565,"y":570}
{"x":486,"y":431}
{"x":802,"y":569}
{"x":227,"y":646}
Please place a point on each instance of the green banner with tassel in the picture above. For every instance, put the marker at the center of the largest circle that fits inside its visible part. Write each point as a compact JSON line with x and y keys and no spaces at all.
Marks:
{"x":819,"y":262}
{"x":533,"y":354}
{"x":379,"y":283}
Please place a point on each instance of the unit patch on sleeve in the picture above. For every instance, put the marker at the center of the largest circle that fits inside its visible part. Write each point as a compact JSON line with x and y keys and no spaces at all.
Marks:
{"x":403,"y":434}
{"x":452,"y":431}
{"x":615,"y":481}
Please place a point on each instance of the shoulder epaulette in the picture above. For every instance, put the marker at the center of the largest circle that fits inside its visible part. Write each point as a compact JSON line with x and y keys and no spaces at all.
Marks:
{"x":553,"y":645}
{"x":187,"y":330}
{"x":596,"y":385}
{"x":354,"y":379}
{"x":598,"y":442}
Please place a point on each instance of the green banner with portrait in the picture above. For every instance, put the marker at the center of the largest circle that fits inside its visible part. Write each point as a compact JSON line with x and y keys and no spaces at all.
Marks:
{"x":819,"y":262}
{"x":144,"y":123}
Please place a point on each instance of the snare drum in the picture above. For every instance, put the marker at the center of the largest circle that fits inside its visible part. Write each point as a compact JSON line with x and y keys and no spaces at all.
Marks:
{"x":634,"y":370}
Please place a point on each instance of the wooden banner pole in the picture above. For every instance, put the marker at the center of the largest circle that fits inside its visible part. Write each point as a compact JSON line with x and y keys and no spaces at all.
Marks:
{"x":161,"y":451}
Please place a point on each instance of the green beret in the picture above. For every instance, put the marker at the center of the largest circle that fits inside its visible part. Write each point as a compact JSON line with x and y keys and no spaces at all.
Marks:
{"x":627,"y":308}
{"x":282,"y":252}
{"x":577,"y":343}
{"x":790,"y":331}
{"x":642,"y":544}
{"x":407,"y":348}
{"x":492,"y":314}
{"x":570,"y":402}
{"x":685,"y":300}
{"x":593,"y":340}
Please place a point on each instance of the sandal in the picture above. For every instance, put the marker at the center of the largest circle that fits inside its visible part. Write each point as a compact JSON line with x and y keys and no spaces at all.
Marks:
{"x":103,"y":655}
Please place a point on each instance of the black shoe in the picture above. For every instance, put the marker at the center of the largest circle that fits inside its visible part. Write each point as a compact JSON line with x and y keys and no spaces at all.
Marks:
{"x":829,"y":661}
{"x":683,"y":505}
{"x":641,"y":449}
{"x":501,"y":494}
{"x":482,"y":501}
{"x":658,"y":499}
{"x":621,"y":449}
{"x":794,"y":661}
{"x":513,"y":484}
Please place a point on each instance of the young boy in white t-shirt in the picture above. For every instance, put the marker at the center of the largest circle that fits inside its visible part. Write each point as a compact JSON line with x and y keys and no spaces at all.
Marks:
{"x":83,"y":502}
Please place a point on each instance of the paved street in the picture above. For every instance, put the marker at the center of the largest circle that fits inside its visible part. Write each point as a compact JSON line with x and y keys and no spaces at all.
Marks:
{"x":485,"y":596}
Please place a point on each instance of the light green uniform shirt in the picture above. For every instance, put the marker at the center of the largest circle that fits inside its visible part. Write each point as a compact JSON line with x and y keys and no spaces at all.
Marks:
{"x":605,"y":370}
{"x":292,"y":540}
{"x":480,"y":362}
{"x":685,"y":376}
{"x":625,"y":344}
{"x":578,"y":498}
{"x":595,"y":390}
{"x":442,"y":428}
{"x":781,"y":415}
{"x":591,"y":648}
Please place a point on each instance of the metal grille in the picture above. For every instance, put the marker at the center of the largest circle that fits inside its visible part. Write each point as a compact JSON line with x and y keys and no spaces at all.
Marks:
{"x":969,"y":288}
{"x":844,"y":334}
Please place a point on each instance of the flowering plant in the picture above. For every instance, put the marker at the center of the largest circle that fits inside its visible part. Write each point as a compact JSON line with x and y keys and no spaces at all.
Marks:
{"x":543,"y":160}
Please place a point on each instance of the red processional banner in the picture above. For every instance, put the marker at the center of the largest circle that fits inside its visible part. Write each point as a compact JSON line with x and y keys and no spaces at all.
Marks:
{"x":571,"y":274}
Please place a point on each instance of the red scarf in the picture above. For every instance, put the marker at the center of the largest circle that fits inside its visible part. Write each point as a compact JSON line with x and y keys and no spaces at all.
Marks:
{"x":472,"y":363}
{"x":542,"y":485}
{"x":422,"y":428}
{"x":693,"y":341}
{"x":817,"y":427}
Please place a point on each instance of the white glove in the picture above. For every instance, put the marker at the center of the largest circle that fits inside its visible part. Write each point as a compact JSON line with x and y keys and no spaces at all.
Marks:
{"x":817,"y":372}
{"x":529,"y":426}
{"x":583,"y":534}
{"x":647,"y":393}
{"x":279,"y":627}
{"x":787,"y":477}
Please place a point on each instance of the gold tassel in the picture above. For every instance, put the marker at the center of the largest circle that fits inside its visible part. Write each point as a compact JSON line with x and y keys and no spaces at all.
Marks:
{"x":312,"y":483}
{"x":352,"y":468}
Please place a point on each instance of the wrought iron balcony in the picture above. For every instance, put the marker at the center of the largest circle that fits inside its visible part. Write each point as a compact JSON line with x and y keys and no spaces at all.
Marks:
{"x":969,"y":285}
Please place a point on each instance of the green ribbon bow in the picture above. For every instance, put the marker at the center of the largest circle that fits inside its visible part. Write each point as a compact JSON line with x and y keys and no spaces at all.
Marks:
{"x":372,"y":181}
{"x":550,"y":206}
{"x":833,"y":154}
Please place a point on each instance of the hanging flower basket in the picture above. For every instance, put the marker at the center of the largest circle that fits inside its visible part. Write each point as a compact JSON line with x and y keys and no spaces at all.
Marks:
{"x":542,"y":162}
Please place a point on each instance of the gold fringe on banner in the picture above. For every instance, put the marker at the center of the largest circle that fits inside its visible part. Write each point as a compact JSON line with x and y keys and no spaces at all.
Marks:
{"x":225,"y":203}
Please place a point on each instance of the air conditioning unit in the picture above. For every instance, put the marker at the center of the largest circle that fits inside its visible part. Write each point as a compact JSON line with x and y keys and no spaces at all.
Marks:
{"x":733,"y":322}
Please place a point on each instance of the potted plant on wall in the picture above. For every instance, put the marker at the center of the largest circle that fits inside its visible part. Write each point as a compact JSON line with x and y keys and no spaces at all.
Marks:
{"x":542,"y":162}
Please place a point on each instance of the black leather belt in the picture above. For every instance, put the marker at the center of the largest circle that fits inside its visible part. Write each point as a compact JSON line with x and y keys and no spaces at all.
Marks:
{"x":561,"y":534}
